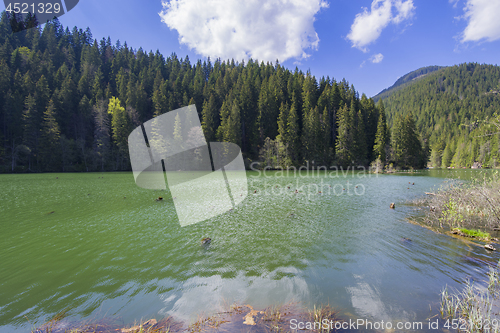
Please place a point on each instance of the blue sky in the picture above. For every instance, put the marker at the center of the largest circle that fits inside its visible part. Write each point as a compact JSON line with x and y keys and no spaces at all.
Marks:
{"x":369,"y":42}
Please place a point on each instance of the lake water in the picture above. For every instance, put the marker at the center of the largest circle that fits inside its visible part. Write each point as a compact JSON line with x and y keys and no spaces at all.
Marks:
{"x":101,"y":246}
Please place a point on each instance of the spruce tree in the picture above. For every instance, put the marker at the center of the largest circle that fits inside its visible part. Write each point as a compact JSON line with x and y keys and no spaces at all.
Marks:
{"x":120,"y":127}
{"x":101,"y":134}
{"x":397,"y":140}
{"x":293,"y":133}
{"x":282,"y":122}
{"x":414,"y":154}
{"x":50,"y":147}
{"x":380,"y":139}
{"x":446,"y":159}
{"x":209,"y":121}
{"x":31,"y":130}
{"x":360,"y":140}
{"x":343,"y":146}
{"x":325,"y":138}
{"x":225,"y":112}
{"x":233,"y":132}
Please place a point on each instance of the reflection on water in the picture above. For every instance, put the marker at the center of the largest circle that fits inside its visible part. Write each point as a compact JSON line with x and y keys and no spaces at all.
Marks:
{"x":366,"y":300}
{"x":205,"y":294}
{"x":109,"y":249}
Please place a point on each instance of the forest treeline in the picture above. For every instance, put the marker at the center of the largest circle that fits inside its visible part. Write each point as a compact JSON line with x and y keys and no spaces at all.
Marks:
{"x":458,"y":109}
{"x":68,"y":103}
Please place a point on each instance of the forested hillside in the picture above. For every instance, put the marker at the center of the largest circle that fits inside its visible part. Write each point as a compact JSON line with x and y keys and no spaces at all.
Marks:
{"x":405,"y":80}
{"x":455,"y":108}
{"x":68,"y":103}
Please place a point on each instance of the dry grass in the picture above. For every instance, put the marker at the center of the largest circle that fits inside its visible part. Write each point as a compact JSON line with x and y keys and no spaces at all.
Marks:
{"x":474,"y":309}
{"x":323,"y":313}
{"x":474,"y":205}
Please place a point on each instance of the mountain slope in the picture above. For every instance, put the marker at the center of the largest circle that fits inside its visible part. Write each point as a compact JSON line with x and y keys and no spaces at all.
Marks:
{"x":406,"y":80}
{"x":452,"y":108}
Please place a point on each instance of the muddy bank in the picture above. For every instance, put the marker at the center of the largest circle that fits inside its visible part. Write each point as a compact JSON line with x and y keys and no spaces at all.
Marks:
{"x":236,"y":318}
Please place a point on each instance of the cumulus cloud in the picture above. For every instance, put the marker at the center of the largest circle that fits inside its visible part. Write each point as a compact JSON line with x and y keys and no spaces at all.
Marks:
{"x":260,"y":29}
{"x":483,"y":21}
{"x":376,"y":58}
{"x":368,"y":25}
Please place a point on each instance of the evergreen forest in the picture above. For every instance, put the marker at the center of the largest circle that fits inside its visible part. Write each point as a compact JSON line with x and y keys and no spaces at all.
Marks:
{"x":68,"y":103}
{"x":457,"y":110}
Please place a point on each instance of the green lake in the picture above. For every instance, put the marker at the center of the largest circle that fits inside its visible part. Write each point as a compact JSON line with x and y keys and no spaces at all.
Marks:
{"x":100,"y":246}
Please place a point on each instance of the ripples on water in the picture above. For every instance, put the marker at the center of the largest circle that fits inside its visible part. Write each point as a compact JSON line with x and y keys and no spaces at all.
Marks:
{"x":109,"y":249}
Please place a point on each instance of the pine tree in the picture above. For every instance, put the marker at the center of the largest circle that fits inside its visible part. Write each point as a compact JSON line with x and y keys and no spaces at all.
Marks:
{"x":233,"y":132}
{"x":209,"y":121}
{"x":101,"y":134}
{"x":42,"y":93}
{"x":50,"y":146}
{"x":31,"y":129}
{"x":360,"y":140}
{"x":325,"y":137}
{"x":344,"y":144}
{"x":120,"y":127}
{"x":311,"y":136}
{"x":282,"y":123}
{"x":268,"y":112}
{"x":292,"y":131}
{"x":415,"y":156}
{"x":379,"y":149}
{"x":446,"y":159}
{"x":284,"y":138}
{"x":225,"y":112}
{"x":97,"y":89}
{"x":247,"y":103}
{"x":406,"y":145}
{"x":309,"y":91}
{"x":159,"y":102}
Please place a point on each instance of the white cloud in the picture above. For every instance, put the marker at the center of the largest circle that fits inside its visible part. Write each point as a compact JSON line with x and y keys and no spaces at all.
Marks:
{"x":404,"y":11}
{"x":483,"y":18}
{"x":259,"y":29}
{"x":368,"y":25}
{"x":377,"y":58}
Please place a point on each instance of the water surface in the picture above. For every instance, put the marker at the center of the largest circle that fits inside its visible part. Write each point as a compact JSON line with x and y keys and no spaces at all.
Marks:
{"x":101,"y":246}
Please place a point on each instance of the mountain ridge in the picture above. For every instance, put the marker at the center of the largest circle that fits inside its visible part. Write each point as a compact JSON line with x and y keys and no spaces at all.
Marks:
{"x":407,"y":79}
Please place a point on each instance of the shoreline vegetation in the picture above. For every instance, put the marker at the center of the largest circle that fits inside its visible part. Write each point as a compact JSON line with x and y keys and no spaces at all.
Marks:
{"x":474,"y":308}
{"x":470,"y":211}
{"x":233,"y":318}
